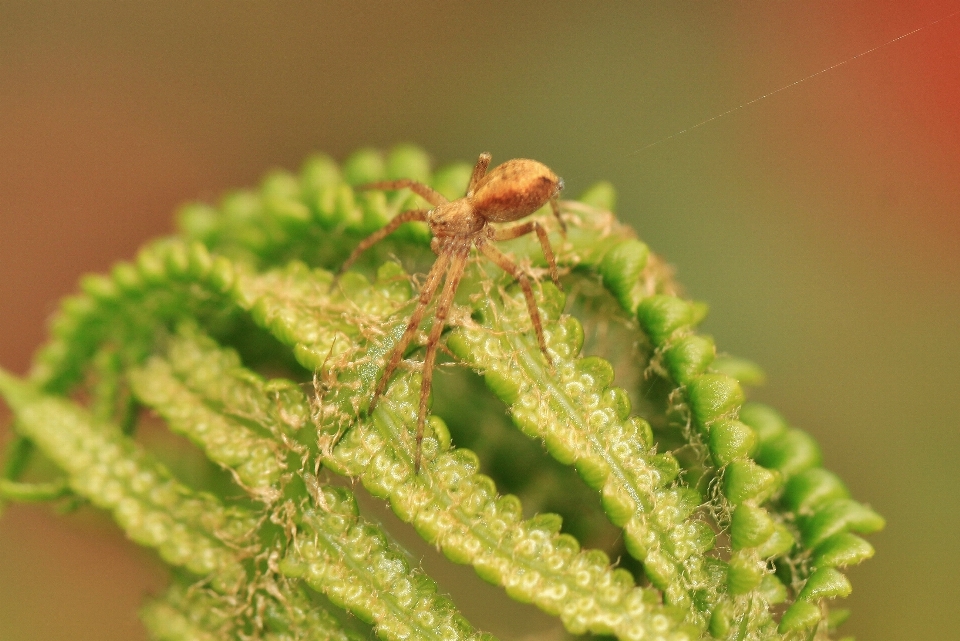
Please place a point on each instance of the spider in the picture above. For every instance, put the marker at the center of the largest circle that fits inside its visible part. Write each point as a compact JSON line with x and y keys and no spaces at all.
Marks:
{"x":511,"y":191}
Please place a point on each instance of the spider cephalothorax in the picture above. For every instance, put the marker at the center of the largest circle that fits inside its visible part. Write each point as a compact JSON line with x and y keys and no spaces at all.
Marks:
{"x":511,"y":191}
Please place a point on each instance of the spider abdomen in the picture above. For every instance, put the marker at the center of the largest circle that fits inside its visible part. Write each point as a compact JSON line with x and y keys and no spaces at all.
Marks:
{"x":515,"y":189}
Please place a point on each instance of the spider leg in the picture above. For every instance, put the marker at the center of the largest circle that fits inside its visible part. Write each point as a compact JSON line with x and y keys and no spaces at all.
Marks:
{"x":430,"y":195}
{"x":426,"y":295}
{"x":377,"y":236}
{"x":454,"y":275}
{"x":555,"y":206}
{"x":479,"y":171}
{"x":509,"y":233}
{"x":503,"y":262}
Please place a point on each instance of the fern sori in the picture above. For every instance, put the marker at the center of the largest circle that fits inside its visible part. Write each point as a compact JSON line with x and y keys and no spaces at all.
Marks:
{"x":235,"y":334}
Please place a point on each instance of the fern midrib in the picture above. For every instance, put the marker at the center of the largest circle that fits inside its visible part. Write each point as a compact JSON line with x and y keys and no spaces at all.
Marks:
{"x":359,"y":570}
{"x":536,"y":371}
{"x":399,"y":435}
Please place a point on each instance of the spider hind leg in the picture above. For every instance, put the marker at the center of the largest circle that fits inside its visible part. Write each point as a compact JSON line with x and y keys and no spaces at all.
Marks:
{"x":479,"y":171}
{"x":509,"y":233}
{"x":555,"y":207}
{"x":503,"y":262}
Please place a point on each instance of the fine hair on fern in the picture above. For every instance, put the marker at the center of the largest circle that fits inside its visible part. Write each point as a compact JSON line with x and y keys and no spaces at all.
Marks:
{"x":625,"y":486}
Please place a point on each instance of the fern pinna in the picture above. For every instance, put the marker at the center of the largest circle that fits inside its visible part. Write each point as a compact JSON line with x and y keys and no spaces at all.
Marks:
{"x":725,"y":523}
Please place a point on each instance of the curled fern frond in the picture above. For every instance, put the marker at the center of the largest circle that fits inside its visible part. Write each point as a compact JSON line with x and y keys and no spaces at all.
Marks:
{"x":236,"y":336}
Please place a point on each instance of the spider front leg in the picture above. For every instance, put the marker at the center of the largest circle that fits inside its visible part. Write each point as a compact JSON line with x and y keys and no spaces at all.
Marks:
{"x":423,"y":300}
{"x":509,"y":233}
{"x":457,"y":266}
{"x":430,"y":195}
{"x":374,"y":238}
{"x":503,"y":262}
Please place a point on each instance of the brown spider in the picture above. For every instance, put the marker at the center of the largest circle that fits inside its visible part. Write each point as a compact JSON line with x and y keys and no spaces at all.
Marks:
{"x":512,"y":191}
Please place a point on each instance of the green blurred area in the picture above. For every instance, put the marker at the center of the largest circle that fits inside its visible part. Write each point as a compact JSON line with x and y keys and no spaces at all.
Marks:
{"x":821,"y":223}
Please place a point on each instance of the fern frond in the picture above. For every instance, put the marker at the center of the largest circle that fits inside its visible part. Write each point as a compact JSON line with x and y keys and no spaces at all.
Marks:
{"x":237,"y":336}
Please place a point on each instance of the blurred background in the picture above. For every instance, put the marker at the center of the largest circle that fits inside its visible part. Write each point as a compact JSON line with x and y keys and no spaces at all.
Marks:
{"x":821,"y":223}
